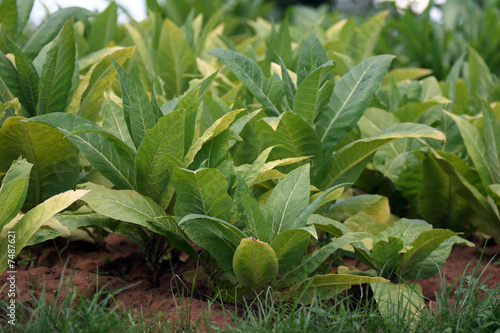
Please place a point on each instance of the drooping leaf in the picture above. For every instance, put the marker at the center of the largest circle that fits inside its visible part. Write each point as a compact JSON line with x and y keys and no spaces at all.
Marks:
{"x":431,"y":265}
{"x":202,"y":192}
{"x":55,"y":158}
{"x":351,"y":96}
{"x":114,"y":164}
{"x":425,"y":243}
{"x":255,"y":264}
{"x":404,"y":299}
{"x":26,"y":227}
{"x":347,"y":163}
{"x":218,"y":237}
{"x":13,"y":190}
{"x":310,"y":262}
{"x":328,"y":285}
{"x":57,"y":75}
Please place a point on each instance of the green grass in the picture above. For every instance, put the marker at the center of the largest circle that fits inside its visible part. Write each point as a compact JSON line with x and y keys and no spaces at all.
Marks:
{"x":472,"y":307}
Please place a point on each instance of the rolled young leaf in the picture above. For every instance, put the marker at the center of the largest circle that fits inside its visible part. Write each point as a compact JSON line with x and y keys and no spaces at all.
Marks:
{"x":255,"y":264}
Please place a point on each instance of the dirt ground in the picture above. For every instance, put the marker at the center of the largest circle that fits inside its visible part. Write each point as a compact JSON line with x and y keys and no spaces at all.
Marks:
{"x":120,"y":265}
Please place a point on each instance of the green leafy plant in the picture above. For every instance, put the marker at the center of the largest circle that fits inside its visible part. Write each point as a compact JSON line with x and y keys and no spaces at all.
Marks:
{"x":268,"y":246}
{"x":17,"y":228}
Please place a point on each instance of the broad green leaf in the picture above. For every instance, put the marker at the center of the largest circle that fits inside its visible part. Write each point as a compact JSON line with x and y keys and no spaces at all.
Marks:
{"x":217,"y":127}
{"x":495,"y":192}
{"x":331,"y":226}
{"x":475,"y":148}
{"x":292,"y":136}
{"x":250,"y":213}
{"x":201,"y":192}
{"x":489,"y":221}
{"x":411,"y":112}
{"x":215,"y":154}
{"x":191,"y":102}
{"x":114,"y":122}
{"x":218,"y":237}
{"x":374,"y":205}
{"x":351,"y":96}
{"x":405,"y":229}
{"x":27,"y":76}
{"x":314,"y":92}
{"x":288,"y":200}
{"x":290,"y":246}
{"x":57,"y":75}
{"x":50,"y":27}
{"x":123,"y":205}
{"x":491,"y":128}
{"x":26,"y":227}
{"x":481,"y":82}
{"x":386,"y":255}
{"x":10,"y":87}
{"x":250,"y":74}
{"x":159,"y":153}
{"x":402,"y":299}
{"x":431,"y":265}
{"x":301,"y":221}
{"x":23,"y":14}
{"x":405,"y":74}
{"x":347,"y":163}
{"x":311,"y":262}
{"x":13,"y":190}
{"x":437,"y":202}
{"x":101,"y":152}
{"x":137,"y":109}
{"x":8,"y":17}
{"x":312,"y":55}
{"x":55,"y":158}
{"x":100,"y":81}
{"x":72,"y":221}
{"x":328,"y":285}
{"x":288,"y":84}
{"x":175,"y":59}
{"x":422,"y":247}
{"x":104,"y":27}
{"x":367,"y":35}
{"x":255,"y":264}
{"x":168,"y":227}
{"x":363,"y":222}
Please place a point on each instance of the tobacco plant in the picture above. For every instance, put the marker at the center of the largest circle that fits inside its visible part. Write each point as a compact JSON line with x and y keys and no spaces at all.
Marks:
{"x":16,"y":227}
{"x":268,"y":244}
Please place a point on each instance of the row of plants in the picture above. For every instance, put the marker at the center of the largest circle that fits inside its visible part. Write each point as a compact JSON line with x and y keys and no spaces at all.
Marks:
{"x":245,"y":137}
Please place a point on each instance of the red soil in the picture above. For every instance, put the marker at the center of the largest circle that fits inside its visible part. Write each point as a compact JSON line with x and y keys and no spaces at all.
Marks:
{"x":120,"y":265}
